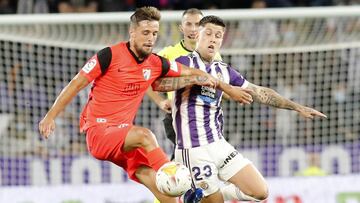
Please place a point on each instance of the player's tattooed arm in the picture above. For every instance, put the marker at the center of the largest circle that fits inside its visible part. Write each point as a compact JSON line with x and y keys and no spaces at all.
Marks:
{"x":270,"y":97}
{"x":167,"y":84}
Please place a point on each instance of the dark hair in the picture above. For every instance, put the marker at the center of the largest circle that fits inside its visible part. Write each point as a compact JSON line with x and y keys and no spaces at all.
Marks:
{"x":192,"y":11}
{"x":145,"y":13}
{"x":213,"y":20}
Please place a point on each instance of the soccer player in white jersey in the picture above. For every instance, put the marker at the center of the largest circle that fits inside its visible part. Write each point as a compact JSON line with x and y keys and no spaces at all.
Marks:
{"x":198,"y":123}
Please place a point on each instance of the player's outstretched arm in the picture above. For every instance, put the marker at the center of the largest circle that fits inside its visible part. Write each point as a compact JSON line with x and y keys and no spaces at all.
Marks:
{"x":167,"y":84}
{"x":163,"y":103}
{"x":47,"y":124}
{"x":269,"y":97}
{"x":235,"y":93}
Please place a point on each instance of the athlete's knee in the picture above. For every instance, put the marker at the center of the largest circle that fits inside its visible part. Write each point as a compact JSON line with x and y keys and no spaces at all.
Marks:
{"x":261,"y":193}
{"x":145,"y":137}
{"x":257,"y":194}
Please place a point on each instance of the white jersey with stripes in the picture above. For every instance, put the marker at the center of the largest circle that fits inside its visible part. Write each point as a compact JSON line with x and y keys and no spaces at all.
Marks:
{"x":197,"y":113}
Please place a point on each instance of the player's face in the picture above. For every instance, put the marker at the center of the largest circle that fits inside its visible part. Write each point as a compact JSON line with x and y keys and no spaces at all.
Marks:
{"x":143,"y":37}
{"x":210,"y":40}
{"x":190,"y":26}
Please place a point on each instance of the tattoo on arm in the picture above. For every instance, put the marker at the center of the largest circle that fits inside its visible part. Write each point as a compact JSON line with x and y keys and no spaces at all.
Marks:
{"x":269,"y":97}
{"x":201,"y":79}
{"x":175,"y":83}
{"x":168,"y":84}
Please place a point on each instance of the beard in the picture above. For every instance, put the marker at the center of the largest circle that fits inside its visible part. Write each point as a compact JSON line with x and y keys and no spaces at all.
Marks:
{"x":142,"y":53}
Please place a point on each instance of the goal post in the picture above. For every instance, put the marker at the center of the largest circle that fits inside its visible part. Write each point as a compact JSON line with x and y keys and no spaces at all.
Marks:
{"x":309,"y":55}
{"x":86,"y":30}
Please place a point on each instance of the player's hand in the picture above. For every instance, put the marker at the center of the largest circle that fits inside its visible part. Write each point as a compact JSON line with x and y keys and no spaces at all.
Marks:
{"x":310,"y":113}
{"x":206,"y":80}
{"x":46,"y":127}
{"x":165,"y":105}
{"x":241,"y":95}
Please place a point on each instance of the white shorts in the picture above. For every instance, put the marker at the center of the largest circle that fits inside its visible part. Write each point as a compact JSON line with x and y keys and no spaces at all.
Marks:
{"x":210,"y":163}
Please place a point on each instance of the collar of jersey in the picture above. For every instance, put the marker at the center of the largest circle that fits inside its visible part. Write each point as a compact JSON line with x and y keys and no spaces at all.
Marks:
{"x":134,"y":55}
{"x":196,"y":53}
{"x":183,"y":46}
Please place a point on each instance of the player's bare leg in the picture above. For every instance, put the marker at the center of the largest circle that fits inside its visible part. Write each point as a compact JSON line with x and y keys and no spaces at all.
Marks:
{"x":251,"y":183}
{"x":144,"y":138}
{"x":147,"y":176}
{"x":140,"y":137}
{"x":215,"y":197}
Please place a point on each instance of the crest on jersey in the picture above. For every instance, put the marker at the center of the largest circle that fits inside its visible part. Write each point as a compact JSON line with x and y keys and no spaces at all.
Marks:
{"x":147,"y":73}
{"x":204,"y":185}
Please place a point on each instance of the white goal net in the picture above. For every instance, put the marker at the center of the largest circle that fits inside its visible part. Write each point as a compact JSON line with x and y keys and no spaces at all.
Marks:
{"x":309,"y":55}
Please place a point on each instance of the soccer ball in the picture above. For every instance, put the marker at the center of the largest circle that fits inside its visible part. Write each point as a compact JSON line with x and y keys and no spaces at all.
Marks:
{"x":173,"y":179}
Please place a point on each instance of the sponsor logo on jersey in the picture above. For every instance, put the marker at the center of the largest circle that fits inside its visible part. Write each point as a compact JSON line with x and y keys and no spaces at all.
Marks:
{"x":131,"y":89}
{"x":147,"y":73}
{"x":207,"y":94}
{"x":89,"y":66}
{"x":101,"y":120}
{"x":229,"y":158}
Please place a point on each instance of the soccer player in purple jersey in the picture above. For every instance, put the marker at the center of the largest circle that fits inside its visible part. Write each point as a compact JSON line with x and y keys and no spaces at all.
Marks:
{"x":198,"y":122}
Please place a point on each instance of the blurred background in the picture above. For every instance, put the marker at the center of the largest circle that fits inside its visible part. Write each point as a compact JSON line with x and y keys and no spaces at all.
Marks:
{"x":307,"y":50}
{"x":70,"y":6}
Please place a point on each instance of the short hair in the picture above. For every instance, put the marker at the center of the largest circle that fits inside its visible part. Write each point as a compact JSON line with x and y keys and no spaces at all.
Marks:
{"x":213,"y":20}
{"x":145,"y":13}
{"x":192,"y":11}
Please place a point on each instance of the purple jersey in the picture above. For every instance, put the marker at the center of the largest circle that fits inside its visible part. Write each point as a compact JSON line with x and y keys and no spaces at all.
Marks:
{"x":198,"y":116}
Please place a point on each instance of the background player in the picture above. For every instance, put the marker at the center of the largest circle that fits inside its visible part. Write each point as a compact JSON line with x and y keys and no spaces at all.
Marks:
{"x":199,"y":126}
{"x":121,"y":74}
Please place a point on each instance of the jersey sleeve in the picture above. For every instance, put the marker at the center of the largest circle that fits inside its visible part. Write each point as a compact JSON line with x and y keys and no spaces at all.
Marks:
{"x":174,"y":70}
{"x":185,"y":60}
{"x":236,"y":78}
{"x":169,"y":68}
{"x":98,"y":64}
{"x":91,"y":69}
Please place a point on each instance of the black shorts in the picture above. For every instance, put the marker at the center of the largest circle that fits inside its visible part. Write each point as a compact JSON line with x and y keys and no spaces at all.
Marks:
{"x":169,"y":130}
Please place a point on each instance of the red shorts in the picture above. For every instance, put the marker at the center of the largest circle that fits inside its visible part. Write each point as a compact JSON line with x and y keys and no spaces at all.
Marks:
{"x":106,"y":143}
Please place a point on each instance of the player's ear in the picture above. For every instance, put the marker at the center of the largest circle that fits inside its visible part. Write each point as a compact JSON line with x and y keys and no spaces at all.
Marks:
{"x":131,"y":30}
{"x":180,"y":28}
